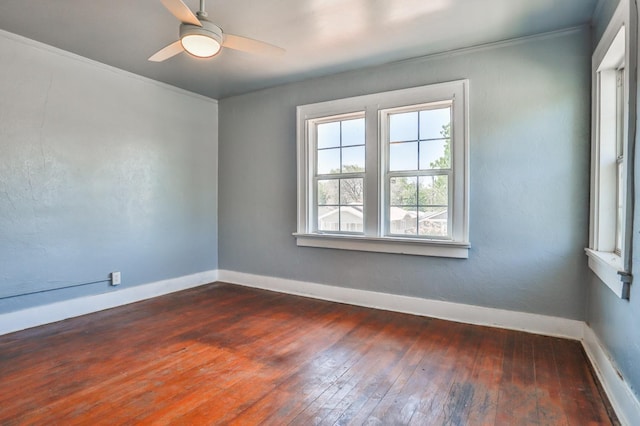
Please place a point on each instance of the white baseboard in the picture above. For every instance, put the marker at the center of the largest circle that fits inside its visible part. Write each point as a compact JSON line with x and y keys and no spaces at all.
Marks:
{"x":40,"y":315}
{"x":533,"y":323}
{"x":624,"y":402}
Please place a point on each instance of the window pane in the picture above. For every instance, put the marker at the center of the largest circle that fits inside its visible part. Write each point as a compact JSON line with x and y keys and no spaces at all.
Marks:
{"x":329,"y":161}
{"x":433,"y":221}
{"x":403,"y":156}
{"x":351,"y":219}
{"x":353,"y":132}
{"x":403,"y":220}
{"x":328,"y":191}
{"x":435,"y":154}
{"x":353,"y":159}
{"x":434,"y":190}
{"x":403,"y":127}
{"x":328,"y":219}
{"x":403,"y":191}
{"x":620,"y":205}
{"x":328,"y":135}
{"x":351,"y":191}
{"x":620,"y":92}
{"x":435,"y":123}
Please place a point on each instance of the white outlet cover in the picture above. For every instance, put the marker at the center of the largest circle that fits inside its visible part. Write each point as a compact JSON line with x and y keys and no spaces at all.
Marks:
{"x":115,"y":278}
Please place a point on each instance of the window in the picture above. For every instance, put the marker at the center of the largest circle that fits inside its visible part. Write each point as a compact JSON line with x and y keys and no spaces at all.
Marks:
{"x":386,"y":172}
{"x":340,"y":171}
{"x":620,"y":175}
{"x":418,"y":147}
{"x":609,"y":251}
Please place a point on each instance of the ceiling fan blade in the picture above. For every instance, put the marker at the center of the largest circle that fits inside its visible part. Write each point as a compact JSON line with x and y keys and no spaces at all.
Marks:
{"x":181,"y":11}
{"x":167,"y":52}
{"x":250,"y":45}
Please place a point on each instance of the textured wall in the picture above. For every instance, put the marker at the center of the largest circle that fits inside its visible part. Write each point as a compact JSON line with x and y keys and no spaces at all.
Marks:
{"x":616,"y":322}
{"x":529,"y":137}
{"x":100,"y":171}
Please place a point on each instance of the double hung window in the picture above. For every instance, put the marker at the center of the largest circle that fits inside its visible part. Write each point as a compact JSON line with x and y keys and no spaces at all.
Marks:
{"x":386,"y":172}
{"x":610,"y":225}
{"x":418,"y":170}
{"x":340,"y":173}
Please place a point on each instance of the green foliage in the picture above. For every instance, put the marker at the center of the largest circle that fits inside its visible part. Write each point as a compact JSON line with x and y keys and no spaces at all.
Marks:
{"x":342,"y":191}
{"x":425,"y":190}
{"x":405,"y":191}
{"x":419,"y":191}
{"x":325,"y":192}
{"x":444,"y":161}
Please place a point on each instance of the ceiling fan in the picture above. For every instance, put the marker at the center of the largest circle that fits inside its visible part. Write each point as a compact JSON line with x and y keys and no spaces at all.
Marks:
{"x":204,"y":39}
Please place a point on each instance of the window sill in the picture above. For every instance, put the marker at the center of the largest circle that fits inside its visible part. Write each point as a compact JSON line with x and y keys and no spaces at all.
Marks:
{"x":386,"y":245}
{"x":609,"y":268}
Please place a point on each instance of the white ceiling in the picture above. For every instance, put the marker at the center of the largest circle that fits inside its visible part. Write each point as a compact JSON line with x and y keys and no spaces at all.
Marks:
{"x":320,"y":36}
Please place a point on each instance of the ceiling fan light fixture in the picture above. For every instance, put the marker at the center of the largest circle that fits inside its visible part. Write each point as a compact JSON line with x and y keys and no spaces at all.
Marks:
{"x":202,"y":42}
{"x":201,"y":38}
{"x":200,"y":45}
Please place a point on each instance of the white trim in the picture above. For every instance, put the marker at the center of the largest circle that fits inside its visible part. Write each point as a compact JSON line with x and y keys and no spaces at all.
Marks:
{"x":40,"y":315}
{"x":618,"y":20}
{"x":615,"y":48}
{"x":374,"y":108}
{"x":606,"y":266}
{"x":624,"y":402}
{"x":386,"y":245}
{"x":60,"y":52}
{"x":470,"y":314}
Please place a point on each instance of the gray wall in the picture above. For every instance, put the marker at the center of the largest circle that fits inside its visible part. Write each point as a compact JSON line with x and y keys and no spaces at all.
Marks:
{"x":616,"y":322}
{"x":529,"y":137}
{"x":100,"y":171}
{"x":603,"y":13}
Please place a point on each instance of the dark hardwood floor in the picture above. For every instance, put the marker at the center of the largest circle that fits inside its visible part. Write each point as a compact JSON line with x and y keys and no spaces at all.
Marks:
{"x":223,"y":354}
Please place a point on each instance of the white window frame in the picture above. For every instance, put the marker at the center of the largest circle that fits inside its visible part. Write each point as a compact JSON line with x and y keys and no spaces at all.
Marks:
{"x":610,"y":229}
{"x":312,"y":152}
{"x":386,"y":173}
{"x":374,"y":107}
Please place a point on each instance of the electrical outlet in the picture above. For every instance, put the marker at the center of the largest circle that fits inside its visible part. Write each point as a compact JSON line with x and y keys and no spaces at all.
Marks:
{"x":116,"y":279}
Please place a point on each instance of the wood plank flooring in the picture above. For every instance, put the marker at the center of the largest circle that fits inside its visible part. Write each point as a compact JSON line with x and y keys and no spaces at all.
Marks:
{"x":223,"y":354}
